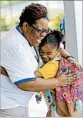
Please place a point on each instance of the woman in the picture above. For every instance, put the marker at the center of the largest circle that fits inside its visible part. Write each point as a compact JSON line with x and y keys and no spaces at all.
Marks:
{"x":19,"y":61}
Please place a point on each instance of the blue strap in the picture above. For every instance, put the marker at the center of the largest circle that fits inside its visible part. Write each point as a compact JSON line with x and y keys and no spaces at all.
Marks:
{"x":49,"y":98}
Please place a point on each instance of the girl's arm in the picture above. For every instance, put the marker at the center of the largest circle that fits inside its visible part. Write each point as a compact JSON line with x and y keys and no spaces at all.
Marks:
{"x":64,"y":53}
{"x":70,"y":58}
{"x":38,"y":74}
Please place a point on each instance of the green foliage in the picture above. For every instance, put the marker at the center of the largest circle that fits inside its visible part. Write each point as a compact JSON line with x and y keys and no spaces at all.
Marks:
{"x":56,"y":21}
{"x":8,"y":22}
{"x":9,"y":2}
{"x":7,"y":26}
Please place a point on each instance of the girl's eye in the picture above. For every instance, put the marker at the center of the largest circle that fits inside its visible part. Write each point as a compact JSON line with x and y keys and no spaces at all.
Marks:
{"x":49,"y":53}
{"x":41,"y":53}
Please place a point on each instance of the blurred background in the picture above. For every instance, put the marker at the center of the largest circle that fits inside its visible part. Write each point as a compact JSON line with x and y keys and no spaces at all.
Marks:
{"x":10,"y":11}
{"x":64,"y":15}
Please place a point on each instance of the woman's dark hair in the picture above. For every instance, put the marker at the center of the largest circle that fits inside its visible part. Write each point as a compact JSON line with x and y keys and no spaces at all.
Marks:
{"x":32,"y":13}
{"x":53,"y":38}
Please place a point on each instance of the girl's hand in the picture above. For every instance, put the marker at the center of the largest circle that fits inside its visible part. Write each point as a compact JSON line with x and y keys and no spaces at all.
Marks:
{"x":75,"y":63}
{"x":65,"y":54}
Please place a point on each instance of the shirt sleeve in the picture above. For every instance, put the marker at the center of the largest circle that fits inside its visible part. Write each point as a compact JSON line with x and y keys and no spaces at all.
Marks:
{"x":49,"y":70}
{"x":18,"y":65}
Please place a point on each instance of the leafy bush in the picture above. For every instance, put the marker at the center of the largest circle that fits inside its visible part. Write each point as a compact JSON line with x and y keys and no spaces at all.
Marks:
{"x":7,"y":25}
{"x":4,"y":3}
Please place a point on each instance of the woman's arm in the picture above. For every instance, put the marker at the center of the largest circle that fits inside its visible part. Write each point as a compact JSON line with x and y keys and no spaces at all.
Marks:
{"x":40,"y":84}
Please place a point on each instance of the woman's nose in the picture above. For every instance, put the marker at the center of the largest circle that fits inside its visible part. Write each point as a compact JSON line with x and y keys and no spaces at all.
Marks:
{"x":43,"y":34}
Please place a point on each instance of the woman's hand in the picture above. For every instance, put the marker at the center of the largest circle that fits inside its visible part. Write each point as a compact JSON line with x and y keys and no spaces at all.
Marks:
{"x":65,"y":79}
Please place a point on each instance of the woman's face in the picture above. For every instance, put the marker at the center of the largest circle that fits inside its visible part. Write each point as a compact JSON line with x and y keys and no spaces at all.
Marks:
{"x":48,"y":52}
{"x":37,"y":32}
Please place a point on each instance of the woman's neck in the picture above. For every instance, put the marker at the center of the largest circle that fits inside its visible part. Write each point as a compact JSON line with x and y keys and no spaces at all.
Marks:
{"x":26,"y":35}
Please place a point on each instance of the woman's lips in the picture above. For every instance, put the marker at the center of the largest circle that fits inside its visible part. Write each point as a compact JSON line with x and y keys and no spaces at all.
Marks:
{"x":39,"y":41}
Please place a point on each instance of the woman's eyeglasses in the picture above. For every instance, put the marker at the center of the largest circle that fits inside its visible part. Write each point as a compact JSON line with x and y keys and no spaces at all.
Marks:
{"x":41,"y":30}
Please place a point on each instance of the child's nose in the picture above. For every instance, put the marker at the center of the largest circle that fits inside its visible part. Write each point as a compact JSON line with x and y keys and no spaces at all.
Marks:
{"x":44,"y":56}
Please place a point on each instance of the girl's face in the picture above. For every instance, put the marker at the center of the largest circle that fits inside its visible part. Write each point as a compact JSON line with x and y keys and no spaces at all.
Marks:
{"x":48,"y":52}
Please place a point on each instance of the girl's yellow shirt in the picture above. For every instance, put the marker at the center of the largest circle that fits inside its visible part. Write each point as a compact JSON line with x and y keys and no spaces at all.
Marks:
{"x":49,"y":70}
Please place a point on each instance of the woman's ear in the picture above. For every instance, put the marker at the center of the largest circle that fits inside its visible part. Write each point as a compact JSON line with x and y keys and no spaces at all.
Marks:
{"x":25,"y":27}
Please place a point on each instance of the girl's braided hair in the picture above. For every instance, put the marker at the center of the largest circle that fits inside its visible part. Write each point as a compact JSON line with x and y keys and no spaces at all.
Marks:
{"x":53,"y":38}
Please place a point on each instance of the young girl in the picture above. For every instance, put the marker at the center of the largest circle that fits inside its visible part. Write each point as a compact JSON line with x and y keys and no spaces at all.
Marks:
{"x":68,"y":100}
